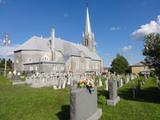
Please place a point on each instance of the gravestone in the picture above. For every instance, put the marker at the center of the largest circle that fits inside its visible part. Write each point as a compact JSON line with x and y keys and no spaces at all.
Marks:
{"x":131,"y":76}
{"x":100,"y":82}
{"x":55,"y":87}
{"x":121,"y":80}
{"x":83,"y":105}
{"x":113,"y":97}
{"x":64,"y":83}
{"x":109,"y":75}
{"x":9,"y":75}
{"x":106,"y":83}
{"x":127,"y":78}
{"x":69,"y":80}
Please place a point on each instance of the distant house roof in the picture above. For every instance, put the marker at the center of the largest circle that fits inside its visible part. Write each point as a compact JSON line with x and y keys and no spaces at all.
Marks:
{"x":139,"y":64}
{"x":65,"y":47}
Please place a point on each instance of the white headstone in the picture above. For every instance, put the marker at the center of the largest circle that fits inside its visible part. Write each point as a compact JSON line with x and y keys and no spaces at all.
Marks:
{"x":106,"y":82}
{"x":100,"y":82}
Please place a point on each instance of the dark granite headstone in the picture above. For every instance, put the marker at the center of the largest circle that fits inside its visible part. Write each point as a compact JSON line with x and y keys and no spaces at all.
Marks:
{"x":83,"y":105}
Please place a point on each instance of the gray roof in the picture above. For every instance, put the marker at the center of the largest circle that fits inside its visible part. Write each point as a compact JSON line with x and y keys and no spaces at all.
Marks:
{"x":65,"y":47}
{"x":139,"y":64}
{"x":34,"y":43}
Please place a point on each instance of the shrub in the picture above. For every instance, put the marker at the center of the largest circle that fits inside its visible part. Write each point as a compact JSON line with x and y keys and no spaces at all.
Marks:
{"x":102,"y":100}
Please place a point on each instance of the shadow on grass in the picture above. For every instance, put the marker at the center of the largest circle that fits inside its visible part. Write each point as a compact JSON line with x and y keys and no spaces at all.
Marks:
{"x":151,"y":94}
{"x":103,"y":92}
{"x":64,"y":114}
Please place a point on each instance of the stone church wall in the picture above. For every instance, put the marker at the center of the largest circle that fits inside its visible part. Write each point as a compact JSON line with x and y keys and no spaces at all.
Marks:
{"x":75,"y":64}
{"x":27,"y":57}
{"x":18,"y":66}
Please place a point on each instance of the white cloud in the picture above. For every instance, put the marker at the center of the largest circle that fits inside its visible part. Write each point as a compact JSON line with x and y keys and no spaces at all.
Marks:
{"x":127,"y":48}
{"x":115,"y":28}
{"x":152,"y":27}
{"x":9,"y":50}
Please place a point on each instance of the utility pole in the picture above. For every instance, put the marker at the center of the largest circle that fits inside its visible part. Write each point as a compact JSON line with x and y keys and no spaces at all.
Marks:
{"x":6,"y":43}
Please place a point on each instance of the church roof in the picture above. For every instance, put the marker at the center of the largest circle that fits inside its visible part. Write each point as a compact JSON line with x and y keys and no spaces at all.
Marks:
{"x":34,"y":43}
{"x":65,"y":47}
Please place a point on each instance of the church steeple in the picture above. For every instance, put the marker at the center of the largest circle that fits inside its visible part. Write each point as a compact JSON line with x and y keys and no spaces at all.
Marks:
{"x":53,"y":38}
{"x":88,"y":36}
{"x":52,"y":44}
{"x":88,"y":25}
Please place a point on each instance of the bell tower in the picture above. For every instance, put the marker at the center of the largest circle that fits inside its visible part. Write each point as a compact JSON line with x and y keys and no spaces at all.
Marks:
{"x":88,"y":36}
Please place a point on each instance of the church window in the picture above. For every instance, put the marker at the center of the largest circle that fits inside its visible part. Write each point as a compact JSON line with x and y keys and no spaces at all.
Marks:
{"x":77,"y":64}
{"x":44,"y":58}
{"x":29,"y":59}
{"x":36,"y":68}
{"x":31,"y":68}
{"x":86,"y":42}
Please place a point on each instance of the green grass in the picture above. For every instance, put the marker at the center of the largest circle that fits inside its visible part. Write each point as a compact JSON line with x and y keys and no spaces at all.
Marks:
{"x":25,"y":103}
{"x":146,"y":105}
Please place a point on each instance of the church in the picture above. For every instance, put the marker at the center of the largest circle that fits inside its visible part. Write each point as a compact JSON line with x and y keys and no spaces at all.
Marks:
{"x":52,"y":54}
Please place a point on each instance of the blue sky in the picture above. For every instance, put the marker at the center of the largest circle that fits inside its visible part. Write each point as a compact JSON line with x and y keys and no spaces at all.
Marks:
{"x":113,"y":23}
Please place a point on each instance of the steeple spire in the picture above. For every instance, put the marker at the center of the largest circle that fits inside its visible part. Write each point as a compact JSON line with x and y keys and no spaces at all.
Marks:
{"x":88,"y":36}
{"x":88,"y":25}
{"x":53,"y":38}
{"x":52,"y":44}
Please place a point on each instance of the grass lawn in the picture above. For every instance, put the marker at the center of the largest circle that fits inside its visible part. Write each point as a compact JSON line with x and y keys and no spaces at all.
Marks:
{"x":146,"y":105}
{"x":25,"y":103}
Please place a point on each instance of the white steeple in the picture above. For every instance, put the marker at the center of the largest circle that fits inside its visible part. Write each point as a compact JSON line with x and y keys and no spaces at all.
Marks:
{"x":88,"y":25}
{"x":52,"y":44}
{"x":53,"y":37}
{"x":88,"y":36}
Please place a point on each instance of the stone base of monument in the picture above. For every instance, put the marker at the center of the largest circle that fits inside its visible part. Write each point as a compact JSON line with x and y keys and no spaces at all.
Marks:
{"x":113,"y":102}
{"x":96,"y":115}
{"x":83,"y":104}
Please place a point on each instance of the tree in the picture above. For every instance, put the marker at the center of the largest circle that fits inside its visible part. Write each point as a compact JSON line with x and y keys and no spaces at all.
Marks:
{"x":151,"y":52}
{"x":120,"y":65}
{"x":9,"y":63}
{"x":2,"y":63}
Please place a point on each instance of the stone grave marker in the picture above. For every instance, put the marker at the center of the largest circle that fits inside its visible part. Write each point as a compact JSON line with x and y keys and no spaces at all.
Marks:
{"x":100,"y":82}
{"x":83,"y":105}
{"x":9,"y":75}
{"x":113,"y":97}
{"x":106,"y":83}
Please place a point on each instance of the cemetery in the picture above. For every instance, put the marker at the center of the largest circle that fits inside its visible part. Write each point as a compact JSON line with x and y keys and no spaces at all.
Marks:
{"x":79,"y":102}
{"x":45,"y":76}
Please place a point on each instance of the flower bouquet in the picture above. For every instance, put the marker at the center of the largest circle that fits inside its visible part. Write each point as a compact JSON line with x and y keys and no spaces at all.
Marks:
{"x":88,"y":83}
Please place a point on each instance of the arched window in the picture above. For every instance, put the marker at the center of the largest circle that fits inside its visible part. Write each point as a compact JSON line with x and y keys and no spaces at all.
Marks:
{"x":45,"y":58}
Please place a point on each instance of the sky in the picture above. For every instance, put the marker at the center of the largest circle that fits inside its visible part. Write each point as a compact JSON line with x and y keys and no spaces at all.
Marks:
{"x":119,"y":26}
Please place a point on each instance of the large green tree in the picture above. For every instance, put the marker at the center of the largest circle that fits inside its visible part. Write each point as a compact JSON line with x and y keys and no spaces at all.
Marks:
{"x":9,"y":63}
{"x":120,"y":65}
{"x":151,"y":52}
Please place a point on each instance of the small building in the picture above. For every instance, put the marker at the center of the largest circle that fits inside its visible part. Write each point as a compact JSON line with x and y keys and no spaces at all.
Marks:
{"x":105,"y":71}
{"x":139,"y":67}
